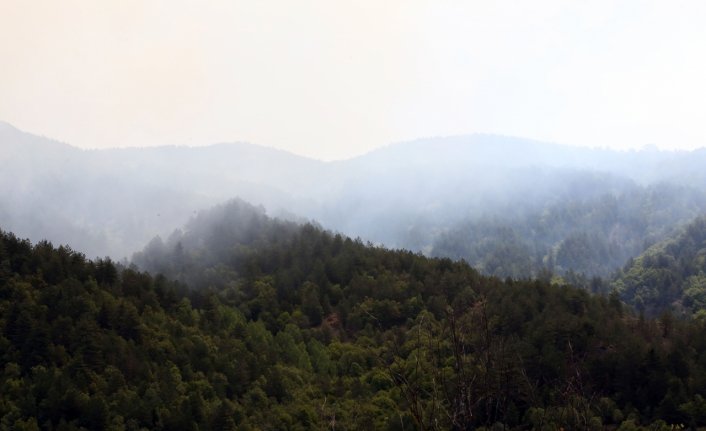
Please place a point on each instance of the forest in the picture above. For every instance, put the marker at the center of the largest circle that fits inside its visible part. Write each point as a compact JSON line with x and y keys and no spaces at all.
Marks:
{"x":352,"y":215}
{"x":242,"y":321}
{"x":669,"y":274}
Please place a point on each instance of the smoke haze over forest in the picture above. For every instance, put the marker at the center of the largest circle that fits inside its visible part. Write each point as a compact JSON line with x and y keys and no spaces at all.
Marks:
{"x":467,"y":197}
{"x":398,"y":215}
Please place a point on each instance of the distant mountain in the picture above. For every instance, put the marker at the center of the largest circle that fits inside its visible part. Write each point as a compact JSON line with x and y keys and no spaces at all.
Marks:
{"x":669,"y":275}
{"x":111,"y":202}
{"x":593,"y":235}
{"x":513,"y":207}
{"x":427,"y":195}
{"x":454,"y":153}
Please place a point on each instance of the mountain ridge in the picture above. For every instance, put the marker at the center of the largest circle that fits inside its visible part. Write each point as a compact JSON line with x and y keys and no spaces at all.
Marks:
{"x":112,"y":201}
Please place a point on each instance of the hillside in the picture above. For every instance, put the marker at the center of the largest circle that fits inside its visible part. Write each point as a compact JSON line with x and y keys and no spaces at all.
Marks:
{"x":111,"y":202}
{"x":592,"y":235}
{"x":509,"y":206}
{"x":291,"y":327}
{"x":670,"y":274}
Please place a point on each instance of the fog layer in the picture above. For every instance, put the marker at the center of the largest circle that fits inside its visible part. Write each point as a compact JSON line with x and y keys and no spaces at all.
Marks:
{"x":477,"y":197}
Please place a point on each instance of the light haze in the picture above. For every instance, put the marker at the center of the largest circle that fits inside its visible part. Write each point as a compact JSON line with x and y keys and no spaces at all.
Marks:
{"x":331,"y":80}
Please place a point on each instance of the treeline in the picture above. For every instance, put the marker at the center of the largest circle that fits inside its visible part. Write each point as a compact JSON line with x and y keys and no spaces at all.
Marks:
{"x":270,"y":325}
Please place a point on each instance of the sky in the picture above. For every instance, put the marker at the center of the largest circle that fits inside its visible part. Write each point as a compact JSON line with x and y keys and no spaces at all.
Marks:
{"x":334,"y":79}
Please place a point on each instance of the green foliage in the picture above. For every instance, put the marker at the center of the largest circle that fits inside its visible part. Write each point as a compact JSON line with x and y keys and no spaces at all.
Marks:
{"x":668,"y":275}
{"x":290,"y":327}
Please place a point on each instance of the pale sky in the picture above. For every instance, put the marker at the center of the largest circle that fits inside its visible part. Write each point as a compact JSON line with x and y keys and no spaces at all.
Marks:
{"x":333,"y":79}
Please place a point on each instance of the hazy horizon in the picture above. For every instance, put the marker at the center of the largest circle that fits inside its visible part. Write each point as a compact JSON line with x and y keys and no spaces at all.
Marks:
{"x":421,"y":139}
{"x":332,"y":81}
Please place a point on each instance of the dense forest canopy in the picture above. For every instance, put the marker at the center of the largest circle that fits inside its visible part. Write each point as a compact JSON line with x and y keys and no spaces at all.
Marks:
{"x":273,"y":325}
{"x":669,"y":275}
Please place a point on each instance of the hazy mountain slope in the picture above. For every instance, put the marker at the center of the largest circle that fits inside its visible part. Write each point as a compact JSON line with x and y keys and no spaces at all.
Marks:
{"x":594,"y":235}
{"x":110,"y":202}
{"x":432,"y":185}
{"x":492,"y":151}
{"x":670,"y":274}
{"x":411,"y":195}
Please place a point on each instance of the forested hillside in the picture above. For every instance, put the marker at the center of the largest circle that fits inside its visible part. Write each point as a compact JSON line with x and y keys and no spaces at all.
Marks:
{"x":289,"y":327}
{"x":669,"y":275}
{"x":352,"y":215}
{"x":509,"y":206}
{"x":593,"y":235}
